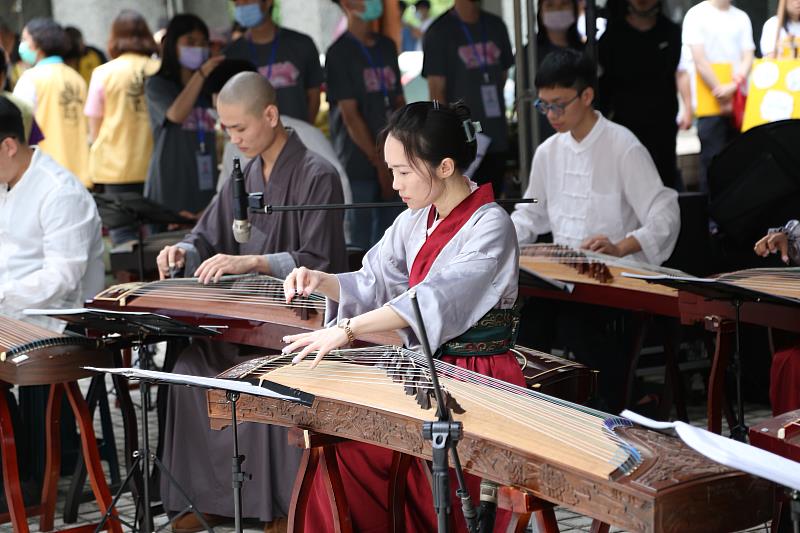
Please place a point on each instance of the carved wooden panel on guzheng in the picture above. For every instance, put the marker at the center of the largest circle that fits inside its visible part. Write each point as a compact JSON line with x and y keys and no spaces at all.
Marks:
{"x":592,"y":462}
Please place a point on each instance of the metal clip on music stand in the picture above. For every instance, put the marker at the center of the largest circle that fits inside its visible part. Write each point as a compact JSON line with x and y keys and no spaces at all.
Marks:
{"x":139,"y":330}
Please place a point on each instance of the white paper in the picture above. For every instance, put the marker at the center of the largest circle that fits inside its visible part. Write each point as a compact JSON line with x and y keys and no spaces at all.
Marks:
{"x":729,"y":452}
{"x":79,"y":311}
{"x":194,"y":381}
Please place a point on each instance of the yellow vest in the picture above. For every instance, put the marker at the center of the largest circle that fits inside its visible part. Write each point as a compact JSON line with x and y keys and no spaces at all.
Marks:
{"x":60,"y":97}
{"x":87,"y":63}
{"x":121,"y":152}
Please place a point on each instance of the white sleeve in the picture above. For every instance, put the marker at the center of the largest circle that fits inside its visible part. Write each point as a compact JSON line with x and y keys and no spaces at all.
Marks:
{"x":531,"y":220}
{"x":655,"y":205}
{"x":747,"y":42}
{"x":692,"y":32}
{"x":71,"y":225}
{"x":768,"y":36}
{"x":25,"y":89}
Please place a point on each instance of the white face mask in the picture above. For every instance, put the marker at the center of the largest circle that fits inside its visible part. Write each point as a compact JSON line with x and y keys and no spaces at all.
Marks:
{"x":558,"y":20}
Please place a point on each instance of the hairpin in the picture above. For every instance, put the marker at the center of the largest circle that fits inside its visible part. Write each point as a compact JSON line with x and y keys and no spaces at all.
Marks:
{"x":436,"y":104}
{"x":471,"y":128}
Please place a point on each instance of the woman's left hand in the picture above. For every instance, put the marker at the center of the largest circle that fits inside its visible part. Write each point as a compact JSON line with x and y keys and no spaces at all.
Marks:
{"x":321,"y":341}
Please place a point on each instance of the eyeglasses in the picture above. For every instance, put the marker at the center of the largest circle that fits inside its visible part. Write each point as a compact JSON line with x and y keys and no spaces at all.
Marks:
{"x":557,"y":109}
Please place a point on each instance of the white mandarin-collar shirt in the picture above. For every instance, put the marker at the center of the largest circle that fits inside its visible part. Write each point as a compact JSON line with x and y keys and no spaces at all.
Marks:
{"x":51,"y":248}
{"x":606,"y":184}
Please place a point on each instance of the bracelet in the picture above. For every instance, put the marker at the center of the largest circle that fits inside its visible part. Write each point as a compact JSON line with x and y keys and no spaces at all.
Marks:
{"x":345,"y":325}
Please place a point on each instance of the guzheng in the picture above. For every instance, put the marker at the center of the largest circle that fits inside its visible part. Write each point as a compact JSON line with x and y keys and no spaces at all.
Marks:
{"x":32,"y":355}
{"x":247,"y":309}
{"x":594,"y":463}
{"x":595,"y":278}
{"x":779,"y":435}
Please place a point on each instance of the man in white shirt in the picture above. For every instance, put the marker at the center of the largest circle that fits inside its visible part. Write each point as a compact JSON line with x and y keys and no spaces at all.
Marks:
{"x":598,"y":189}
{"x":597,"y":185}
{"x":51,"y":247}
{"x":718,"y":33}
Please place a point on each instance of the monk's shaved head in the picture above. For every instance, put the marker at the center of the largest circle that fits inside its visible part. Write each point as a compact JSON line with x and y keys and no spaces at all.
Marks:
{"x":250,"y":90}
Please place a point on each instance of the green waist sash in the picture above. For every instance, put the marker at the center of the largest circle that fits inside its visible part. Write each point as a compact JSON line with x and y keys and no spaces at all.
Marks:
{"x":494,"y":334}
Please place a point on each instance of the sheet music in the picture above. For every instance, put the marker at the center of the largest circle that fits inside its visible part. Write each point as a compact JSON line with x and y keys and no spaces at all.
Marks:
{"x":193,"y":381}
{"x":729,"y":452}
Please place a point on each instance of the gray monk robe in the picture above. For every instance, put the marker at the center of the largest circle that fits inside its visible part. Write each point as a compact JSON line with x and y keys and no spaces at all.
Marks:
{"x":198,"y":457}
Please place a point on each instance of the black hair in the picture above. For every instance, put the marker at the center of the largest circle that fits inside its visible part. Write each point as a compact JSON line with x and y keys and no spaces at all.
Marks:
{"x":227,"y":69}
{"x":179,"y":26}
{"x":11,"y":124}
{"x":574,"y":39}
{"x":422,"y":3}
{"x":48,"y":35}
{"x":74,"y":43}
{"x":431,"y":132}
{"x":566,"y":68}
{"x":3,"y":69}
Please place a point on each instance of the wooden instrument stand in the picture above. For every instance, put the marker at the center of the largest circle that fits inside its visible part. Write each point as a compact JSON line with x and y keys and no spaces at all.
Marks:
{"x":319,"y":454}
{"x":17,"y":513}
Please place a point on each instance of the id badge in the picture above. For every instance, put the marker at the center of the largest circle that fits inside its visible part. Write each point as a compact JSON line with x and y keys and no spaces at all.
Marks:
{"x":205,"y":172}
{"x":491,"y":101}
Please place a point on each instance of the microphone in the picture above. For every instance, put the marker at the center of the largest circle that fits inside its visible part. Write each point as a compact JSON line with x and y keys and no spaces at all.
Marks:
{"x":241,"y":226}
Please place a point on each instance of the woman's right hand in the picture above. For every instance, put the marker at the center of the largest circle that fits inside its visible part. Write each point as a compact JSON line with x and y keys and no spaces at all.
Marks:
{"x":773,"y":243}
{"x":302,"y":282}
{"x":211,"y":63}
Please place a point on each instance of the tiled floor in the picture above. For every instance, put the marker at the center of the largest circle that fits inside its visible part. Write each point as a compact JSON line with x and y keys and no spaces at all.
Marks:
{"x":569,"y":522}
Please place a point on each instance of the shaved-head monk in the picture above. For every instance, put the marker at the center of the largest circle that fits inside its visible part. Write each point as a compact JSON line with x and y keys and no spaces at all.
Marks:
{"x":287,"y":173}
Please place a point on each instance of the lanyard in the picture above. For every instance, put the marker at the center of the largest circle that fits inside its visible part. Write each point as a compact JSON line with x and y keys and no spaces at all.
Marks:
{"x":379,"y":68}
{"x":199,"y":115}
{"x":482,"y":60}
{"x":273,"y":50}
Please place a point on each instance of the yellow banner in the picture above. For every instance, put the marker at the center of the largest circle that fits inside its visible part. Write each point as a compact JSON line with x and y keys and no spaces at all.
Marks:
{"x":773,"y":93}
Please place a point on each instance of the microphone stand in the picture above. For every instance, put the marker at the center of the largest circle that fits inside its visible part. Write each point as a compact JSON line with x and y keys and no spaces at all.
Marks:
{"x":444,"y":435}
{"x":256,"y":205}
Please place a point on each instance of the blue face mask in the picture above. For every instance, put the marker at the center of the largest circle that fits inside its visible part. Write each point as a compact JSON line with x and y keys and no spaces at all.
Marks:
{"x":192,"y":57}
{"x":249,"y":15}
{"x":373,"y":9}
{"x":26,"y":54}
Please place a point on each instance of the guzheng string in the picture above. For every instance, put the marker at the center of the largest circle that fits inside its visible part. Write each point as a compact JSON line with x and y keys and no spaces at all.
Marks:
{"x":246,"y":290}
{"x":13,"y":332}
{"x":564,"y":421}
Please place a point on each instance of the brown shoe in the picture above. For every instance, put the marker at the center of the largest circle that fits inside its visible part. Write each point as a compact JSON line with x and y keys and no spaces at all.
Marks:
{"x":189,"y":523}
{"x":279,"y":525}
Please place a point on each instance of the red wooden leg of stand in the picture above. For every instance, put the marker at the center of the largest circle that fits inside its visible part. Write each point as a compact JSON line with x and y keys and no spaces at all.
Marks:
{"x":302,"y":490}
{"x":335,"y":489}
{"x":91,"y":455}
{"x":398,"y":476}
{"x":716,"y":378}
{"x":546,"y":520}
{"x":52,"y":469}
{"x":599,"y":527}
{"x":14,"y":500}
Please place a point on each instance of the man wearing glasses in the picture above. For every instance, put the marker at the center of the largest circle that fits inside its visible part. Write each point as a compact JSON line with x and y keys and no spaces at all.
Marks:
{"x":599,"y":190}
{"x":597,"y":186}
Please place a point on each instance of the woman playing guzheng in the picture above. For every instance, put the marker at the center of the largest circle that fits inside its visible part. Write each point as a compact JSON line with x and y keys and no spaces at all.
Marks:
{"x":457,"y":248}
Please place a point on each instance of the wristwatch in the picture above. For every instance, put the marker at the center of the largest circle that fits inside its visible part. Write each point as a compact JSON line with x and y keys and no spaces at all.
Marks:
{"x":345,"y":325}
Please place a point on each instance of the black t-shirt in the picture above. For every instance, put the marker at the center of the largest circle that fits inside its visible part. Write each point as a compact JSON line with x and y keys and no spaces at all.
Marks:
{"x":351,"y":75}
{"x":449,"y":53}
{"x":637,"y":85}
{"x":295,"y":67}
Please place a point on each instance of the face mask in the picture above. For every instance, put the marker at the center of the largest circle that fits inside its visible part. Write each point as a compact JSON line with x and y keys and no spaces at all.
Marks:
{"x":26,"y":54}
{"x":558,"y":20}
{"x":248,"y":15}
{"x":373,"y":9}
{"x":192,"y":57}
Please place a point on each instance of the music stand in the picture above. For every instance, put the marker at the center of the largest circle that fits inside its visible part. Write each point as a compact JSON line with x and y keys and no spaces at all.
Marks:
{"x":135,"y":329}
{"x":233,"y":389}
{"x":132,"y":209}
{"x":713,"y":289}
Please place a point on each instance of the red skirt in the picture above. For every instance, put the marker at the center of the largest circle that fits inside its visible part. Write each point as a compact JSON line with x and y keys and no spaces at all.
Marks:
{"x":365,"y":475}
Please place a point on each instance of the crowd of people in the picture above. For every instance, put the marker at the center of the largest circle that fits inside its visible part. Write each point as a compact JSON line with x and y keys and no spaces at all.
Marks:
{"x":163,"y":117}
